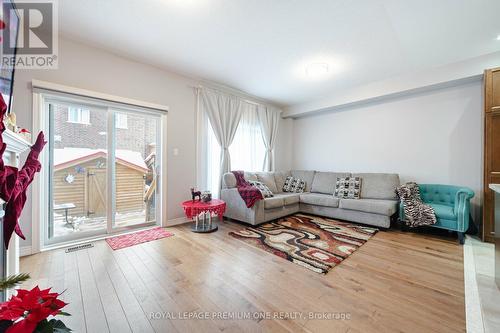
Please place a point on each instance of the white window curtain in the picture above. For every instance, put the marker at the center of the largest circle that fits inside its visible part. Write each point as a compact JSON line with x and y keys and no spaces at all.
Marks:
{"x":248,"y":149}
{"x":269,"y":121}
{"x":248,"y":146}
{"x":208,"y":156}
{"x":224,"y":112}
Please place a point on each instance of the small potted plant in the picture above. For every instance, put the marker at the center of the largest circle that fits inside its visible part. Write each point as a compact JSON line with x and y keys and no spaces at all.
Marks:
{"x":29,"y":310}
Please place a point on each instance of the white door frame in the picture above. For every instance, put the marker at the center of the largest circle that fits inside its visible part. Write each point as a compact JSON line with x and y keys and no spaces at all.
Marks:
{"x":40,"y":195}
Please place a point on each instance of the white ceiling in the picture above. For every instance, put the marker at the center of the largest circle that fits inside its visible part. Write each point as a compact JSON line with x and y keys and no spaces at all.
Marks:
{"x":263,"y":46}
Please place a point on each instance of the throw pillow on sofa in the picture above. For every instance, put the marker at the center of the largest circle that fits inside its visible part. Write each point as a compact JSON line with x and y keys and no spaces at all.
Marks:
{"x":287,"y":186}
{"x":294,"y":185}
{"x":298,"y":185}
{"x":348,"y":188}
{"x":266,"y":192}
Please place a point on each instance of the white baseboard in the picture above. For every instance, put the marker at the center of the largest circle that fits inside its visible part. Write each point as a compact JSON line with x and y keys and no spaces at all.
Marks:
{"x":177,"y":221}
{"x":25,"y":251}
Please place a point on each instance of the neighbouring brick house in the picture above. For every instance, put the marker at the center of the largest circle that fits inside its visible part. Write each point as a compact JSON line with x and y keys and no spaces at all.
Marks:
{"x":84,"y":128}
{"x":80,"y":153}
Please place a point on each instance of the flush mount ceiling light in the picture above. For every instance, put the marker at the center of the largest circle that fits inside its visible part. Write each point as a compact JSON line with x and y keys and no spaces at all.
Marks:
{"x":317,"y":70}
{"x":498,"y":37}
{"x":187,"y":3}
{"x":319,"y":67}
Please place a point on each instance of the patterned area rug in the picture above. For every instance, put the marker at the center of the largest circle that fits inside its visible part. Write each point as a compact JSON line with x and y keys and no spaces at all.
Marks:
{"x":316,"y":243}
{"x":123,"y":241}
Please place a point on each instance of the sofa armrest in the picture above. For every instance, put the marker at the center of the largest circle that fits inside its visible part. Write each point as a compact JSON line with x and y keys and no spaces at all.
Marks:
{"x":232,"y":198}
{"x":238,"y":210}
{"x":228,"y":180}
{"x":462,"y":208}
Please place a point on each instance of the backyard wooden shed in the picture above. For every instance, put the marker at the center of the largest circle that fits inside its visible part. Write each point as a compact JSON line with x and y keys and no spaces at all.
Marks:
{"x":80,"y":179}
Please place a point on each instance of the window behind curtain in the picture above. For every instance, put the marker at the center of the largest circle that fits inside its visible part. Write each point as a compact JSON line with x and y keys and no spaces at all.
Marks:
{"x":247,"y":149}
{"x":212,"y":162}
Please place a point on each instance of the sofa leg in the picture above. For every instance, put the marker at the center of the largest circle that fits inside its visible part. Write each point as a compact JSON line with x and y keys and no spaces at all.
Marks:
{"x":461,"y":238}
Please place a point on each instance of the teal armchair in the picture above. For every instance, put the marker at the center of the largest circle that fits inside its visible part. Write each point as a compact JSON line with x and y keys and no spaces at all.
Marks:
{"x":451,"y":205}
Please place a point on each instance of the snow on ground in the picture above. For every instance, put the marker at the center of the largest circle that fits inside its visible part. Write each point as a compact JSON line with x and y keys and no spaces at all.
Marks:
{"x":81,"y":224}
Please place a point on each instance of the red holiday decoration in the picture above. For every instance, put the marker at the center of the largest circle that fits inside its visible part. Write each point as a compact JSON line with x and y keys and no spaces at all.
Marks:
{"x":2,"y":26}
{"x":29,"y":308}
{"x":28,"y":311}
{"x":14,"y":182}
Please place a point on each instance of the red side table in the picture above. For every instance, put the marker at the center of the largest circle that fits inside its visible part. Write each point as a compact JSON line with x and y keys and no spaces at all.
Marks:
{"x":197,"y":208}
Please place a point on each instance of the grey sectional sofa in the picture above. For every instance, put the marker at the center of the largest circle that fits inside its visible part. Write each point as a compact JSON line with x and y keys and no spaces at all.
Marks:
{"x":377,"y":204}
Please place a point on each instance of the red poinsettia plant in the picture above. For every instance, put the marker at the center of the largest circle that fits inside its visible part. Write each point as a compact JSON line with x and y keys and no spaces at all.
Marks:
{"x":28,"y":312}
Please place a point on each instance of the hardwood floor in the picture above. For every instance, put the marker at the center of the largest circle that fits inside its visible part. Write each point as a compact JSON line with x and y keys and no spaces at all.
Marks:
{"x":396,"y":282}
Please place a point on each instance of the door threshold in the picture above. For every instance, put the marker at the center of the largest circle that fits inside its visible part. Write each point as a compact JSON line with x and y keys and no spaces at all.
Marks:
{"x":93,"y":239}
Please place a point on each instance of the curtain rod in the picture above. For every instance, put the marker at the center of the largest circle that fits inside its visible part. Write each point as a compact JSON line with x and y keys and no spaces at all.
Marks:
{"x":228,"y":92}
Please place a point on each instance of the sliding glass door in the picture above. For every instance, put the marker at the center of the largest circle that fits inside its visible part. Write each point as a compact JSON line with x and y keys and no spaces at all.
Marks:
{"x":103,"y":168}
{"x":136,"y":168}
{"x":78,"y":183}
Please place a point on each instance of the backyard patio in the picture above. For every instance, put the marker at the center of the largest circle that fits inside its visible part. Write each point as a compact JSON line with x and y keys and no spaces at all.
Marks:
{"x":84,"y":224}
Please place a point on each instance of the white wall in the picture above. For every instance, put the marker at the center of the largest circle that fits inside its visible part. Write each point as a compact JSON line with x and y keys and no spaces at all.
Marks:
{"x":283,"y":149}
{"x":432,"y":137}
{"x":94,"y":69}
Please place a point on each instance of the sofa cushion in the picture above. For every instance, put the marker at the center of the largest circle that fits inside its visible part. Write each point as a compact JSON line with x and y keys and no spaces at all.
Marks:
{"x":250,"y":176}
{"x":267,"y":178}
{"x":348,"y":188}
{"x":298,"y":185}
{"x":305,"y":175}
{"x":228,"y":180}
{"x":274,"y":202}
{"x":289,"y":198}
{"x":279,"y":178}
{"x":378,"y":185}
{"x":266,"y":192}
{"x":443,"y":211}
{"x":375,"y":206}
{"x":294,"y":185}
{"x":317,"y":199}
{"x":287,"y":185}
{"x":324,"y":182}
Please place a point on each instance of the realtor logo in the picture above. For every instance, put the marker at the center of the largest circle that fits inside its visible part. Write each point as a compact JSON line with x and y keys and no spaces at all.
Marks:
{"x":34,"y":23}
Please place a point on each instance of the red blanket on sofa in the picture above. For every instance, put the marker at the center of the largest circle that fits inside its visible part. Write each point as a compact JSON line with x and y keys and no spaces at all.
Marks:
{"x":250,"y":194}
